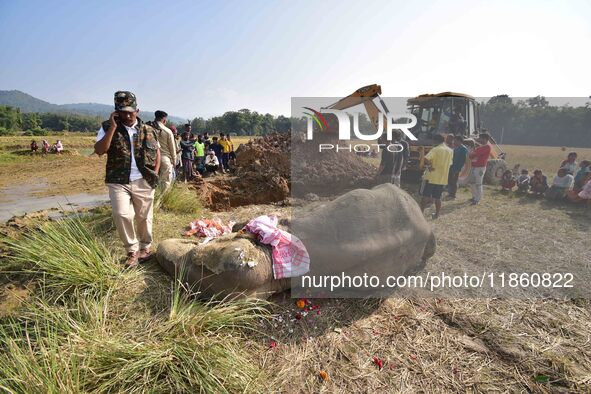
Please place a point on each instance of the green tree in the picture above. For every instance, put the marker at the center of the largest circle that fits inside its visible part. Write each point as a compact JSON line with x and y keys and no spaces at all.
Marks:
{"x":31,"y":121}
{"x":199,"y":125}
{"x":10,"y":118}
{"x":538,"y":101}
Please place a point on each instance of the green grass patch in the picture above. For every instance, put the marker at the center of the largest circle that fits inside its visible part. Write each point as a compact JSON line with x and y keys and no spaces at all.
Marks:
{"x":83,"y":343}
{"x":178,"y":198}
{"x":9,"y":158}
{"x":66,"y":253}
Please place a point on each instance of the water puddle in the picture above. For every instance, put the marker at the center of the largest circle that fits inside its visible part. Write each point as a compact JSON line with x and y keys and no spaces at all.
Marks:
{"x":19,"y":199}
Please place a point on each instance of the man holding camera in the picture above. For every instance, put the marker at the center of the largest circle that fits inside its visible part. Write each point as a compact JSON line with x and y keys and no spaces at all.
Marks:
{"x":133,"y":162}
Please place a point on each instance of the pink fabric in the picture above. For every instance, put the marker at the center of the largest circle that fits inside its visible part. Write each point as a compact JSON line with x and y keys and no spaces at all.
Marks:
{"x":290,"y":257}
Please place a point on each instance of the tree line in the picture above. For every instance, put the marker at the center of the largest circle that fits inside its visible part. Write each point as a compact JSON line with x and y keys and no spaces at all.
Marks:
{"x":534,"y":121}
{"x":242,"y":122}
{"x":526,"y":122}
{"x":13,"y":120}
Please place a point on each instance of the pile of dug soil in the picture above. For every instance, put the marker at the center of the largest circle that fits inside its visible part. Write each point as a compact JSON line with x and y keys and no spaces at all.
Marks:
{"x":265,"y":174}
{"x":330,"y":172}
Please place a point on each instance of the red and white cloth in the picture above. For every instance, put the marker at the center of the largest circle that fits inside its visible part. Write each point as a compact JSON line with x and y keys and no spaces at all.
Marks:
{"x":209,"y":228}
{"x":290,"y":257}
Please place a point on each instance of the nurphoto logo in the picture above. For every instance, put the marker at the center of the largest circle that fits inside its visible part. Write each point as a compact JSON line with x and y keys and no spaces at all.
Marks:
{"x":393,"y":122}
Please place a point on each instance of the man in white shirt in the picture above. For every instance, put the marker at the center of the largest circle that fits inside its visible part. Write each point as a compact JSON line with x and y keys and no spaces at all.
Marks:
{"x":167,"y":148}
{"x":211,"y":162}
{"x":133,"y":162}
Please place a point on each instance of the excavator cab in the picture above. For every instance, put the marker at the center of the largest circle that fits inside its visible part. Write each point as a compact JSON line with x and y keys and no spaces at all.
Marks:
{"x":449,"y":113}
{"x":444,"y":113}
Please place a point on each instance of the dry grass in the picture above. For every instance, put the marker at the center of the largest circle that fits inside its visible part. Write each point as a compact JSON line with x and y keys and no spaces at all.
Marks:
{"x":444,"y":345}
{"x":546,"y":158}
{"x":79,"y":172}
{"x":70,"y":140}
{"x":454,"y":345}
{"x":438,"y":346}
{"x":66,"y":174}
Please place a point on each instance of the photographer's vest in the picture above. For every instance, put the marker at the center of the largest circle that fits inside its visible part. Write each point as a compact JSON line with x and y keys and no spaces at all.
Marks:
{"x":145,"y":149}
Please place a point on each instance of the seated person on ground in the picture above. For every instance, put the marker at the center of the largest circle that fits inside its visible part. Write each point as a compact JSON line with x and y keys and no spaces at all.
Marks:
{"x":45,"y":147}
{"x":523,"y":181}
{"x":58,"y":147}
{"x":217,"y":149}
{"x":583,"y":195}
{"x":570,"y":164}
{"x":34,"y":147}
{"x":561,"y":184}
{"x":584,"y":169}
{"x":212,"y":163}
{"x":508,"y":181}
{"x":538,"y":183}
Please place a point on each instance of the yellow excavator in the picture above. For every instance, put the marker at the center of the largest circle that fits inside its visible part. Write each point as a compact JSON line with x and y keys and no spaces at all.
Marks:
{"x":441,"y":113}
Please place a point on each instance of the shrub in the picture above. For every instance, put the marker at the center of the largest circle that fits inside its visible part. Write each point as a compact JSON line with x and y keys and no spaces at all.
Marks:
{"x":178,"y":199}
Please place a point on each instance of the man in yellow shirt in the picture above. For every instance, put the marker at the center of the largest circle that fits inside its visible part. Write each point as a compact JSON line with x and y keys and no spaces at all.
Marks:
{"x":437,"y":163}
{"x":226,"y":149}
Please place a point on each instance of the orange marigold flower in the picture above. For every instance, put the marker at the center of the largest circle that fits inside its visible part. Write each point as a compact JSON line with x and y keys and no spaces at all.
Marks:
{"x":301,"y":303}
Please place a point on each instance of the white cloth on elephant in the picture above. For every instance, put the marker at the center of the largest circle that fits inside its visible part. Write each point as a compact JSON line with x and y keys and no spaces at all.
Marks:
{"x":290,"y":257}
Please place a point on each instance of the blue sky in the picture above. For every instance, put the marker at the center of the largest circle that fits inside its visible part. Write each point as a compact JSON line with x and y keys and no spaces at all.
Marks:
{"x":194,"y":58}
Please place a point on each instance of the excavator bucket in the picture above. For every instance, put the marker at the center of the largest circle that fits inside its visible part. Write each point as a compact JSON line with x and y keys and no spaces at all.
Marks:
{"x":358,"y":97}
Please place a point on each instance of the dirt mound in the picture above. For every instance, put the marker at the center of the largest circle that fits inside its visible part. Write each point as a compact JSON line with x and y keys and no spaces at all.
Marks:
{"x":267,"y":154}
{"x":264,"y":173}
{"x":328,"y":172}
{"x":222,"y":193}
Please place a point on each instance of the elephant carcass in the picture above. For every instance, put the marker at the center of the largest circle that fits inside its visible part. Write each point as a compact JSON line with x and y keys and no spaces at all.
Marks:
{"x":379,"y":232}
{"x":375,"y":232}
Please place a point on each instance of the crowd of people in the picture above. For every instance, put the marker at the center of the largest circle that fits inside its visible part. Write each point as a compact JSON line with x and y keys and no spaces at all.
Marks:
{"x":572,"y":181}
{"x":203,"y":155}
{"x":185,"y":156}
{"x":444,"y":163}
{"x":57,"y":148}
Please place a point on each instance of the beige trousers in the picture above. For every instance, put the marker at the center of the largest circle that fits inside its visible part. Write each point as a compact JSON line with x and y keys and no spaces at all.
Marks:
{"x":166,"y":172}
{"x":128,"y":202}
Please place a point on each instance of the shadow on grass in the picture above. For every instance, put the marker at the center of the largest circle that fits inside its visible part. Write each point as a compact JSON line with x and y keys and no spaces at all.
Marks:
{"x":154,"y":295}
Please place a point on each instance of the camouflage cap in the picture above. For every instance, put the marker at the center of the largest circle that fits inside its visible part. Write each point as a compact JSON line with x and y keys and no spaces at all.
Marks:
{"x":125,"y":101}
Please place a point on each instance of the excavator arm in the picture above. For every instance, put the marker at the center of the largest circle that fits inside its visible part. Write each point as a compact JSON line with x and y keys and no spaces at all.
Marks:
{"x":365,"y":96}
